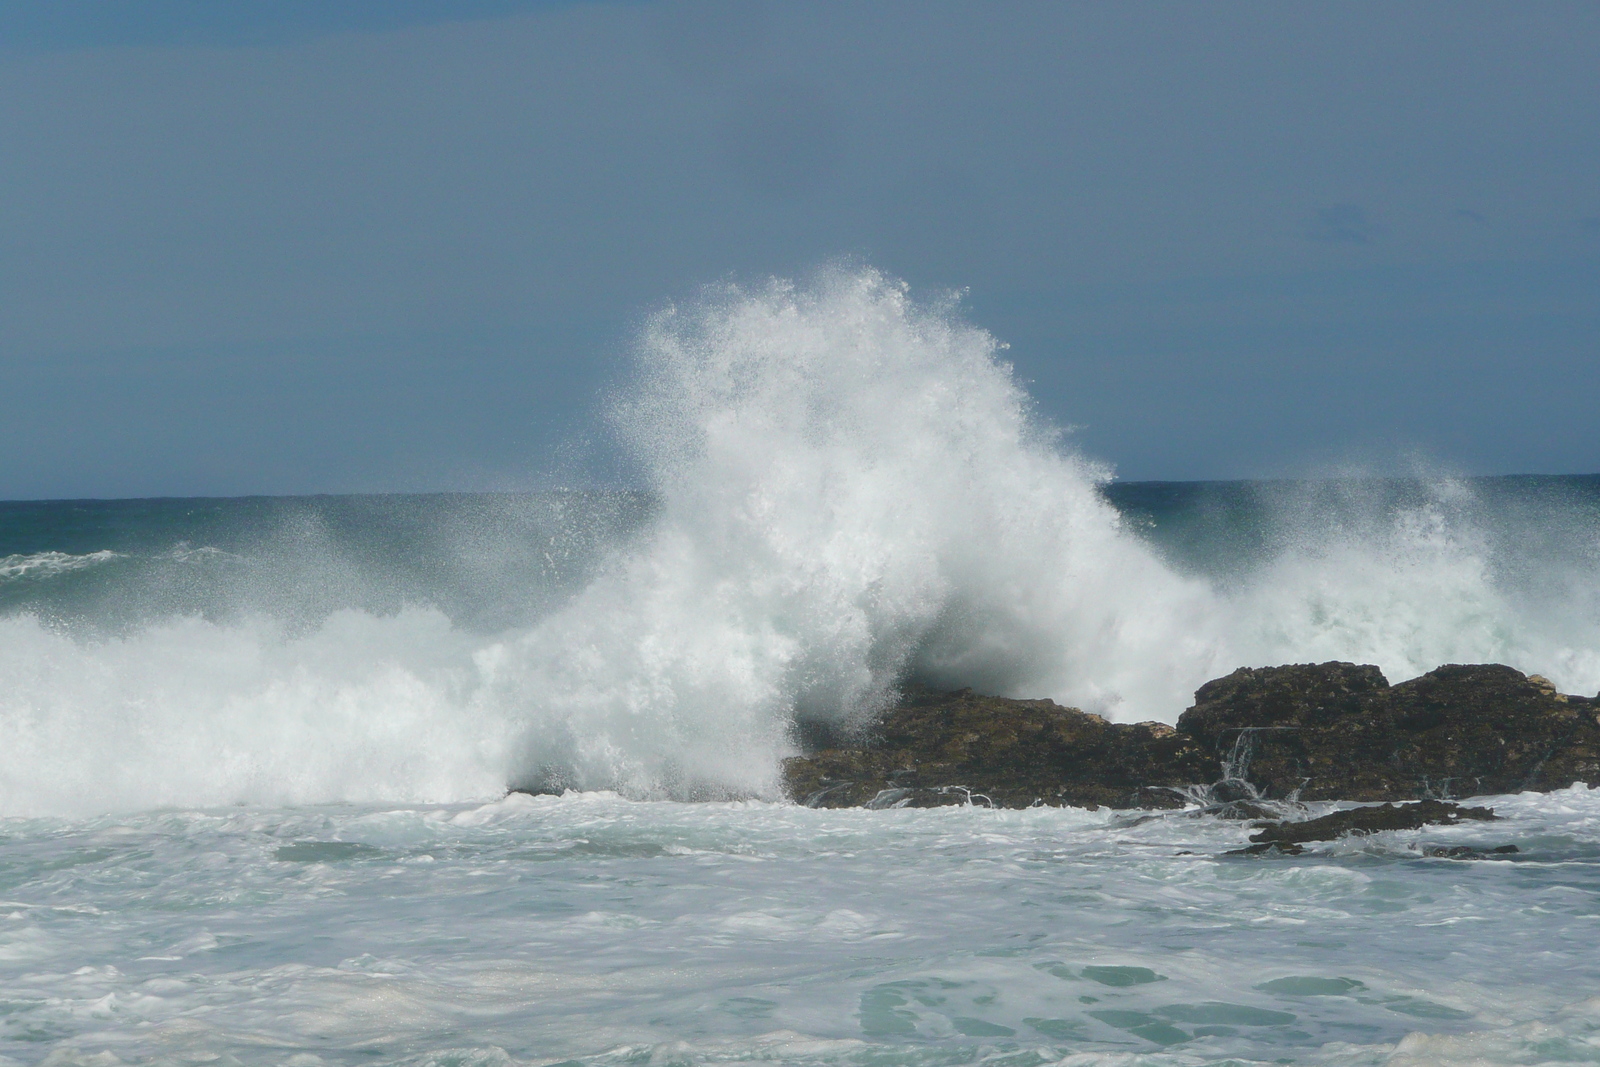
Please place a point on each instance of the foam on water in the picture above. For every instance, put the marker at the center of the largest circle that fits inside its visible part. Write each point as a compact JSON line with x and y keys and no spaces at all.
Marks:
{"x":851,"y":490}
{"x":39,"y":565}
{"x":592,"y":928}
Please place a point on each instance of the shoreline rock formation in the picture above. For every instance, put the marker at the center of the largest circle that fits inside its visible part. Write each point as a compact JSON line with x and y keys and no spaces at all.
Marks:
{"x":1330,"y":731}
{"x":1289,"y":835}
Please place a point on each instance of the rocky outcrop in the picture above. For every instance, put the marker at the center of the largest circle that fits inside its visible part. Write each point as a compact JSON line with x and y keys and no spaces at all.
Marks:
{"x":1370,"y":820}
{"x":1337,"y":731}
{"x":1331,"y":731}
{"x":949,"y":748}
{"x":1288,"y":835}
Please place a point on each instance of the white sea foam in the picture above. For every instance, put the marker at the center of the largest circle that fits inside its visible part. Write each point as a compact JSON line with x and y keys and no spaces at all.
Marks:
{"x":193,"y":713}
{"x":591,"y":928}
{"x":853,"y":491}
{"x":184,"y":552}
{"x":49,"y":564}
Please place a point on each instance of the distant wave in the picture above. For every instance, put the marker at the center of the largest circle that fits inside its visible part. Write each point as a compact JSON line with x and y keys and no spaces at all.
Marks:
{"x":36,"y":565}
{"x":40,"y":565}
{"x":184,"y":552}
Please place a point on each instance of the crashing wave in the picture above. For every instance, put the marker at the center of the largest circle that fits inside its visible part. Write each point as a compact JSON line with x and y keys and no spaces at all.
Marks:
{"x":852,"y":491}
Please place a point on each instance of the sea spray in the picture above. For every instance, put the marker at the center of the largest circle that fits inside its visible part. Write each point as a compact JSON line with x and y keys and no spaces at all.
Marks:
{"x":1437,"y":579}
{"x":852,"y":493}
{"x":189,"y":713}
{"x":847,"y":490}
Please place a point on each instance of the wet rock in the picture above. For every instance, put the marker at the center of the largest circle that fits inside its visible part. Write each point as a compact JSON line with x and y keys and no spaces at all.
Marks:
{"x":1467,"y":852}
{"x":1232,"y":790}
{"x":1243,"y":811}
{"x":1339,"y":731}
{"x":1370,"y":820}
{"x":941,"y":748}
{"x":1259,"y":738}
{"x":943,"y":796}
{"x":1275,"y":847}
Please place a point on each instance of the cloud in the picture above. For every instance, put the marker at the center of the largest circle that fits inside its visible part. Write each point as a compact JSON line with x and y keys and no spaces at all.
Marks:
{"x":1343,"y":223}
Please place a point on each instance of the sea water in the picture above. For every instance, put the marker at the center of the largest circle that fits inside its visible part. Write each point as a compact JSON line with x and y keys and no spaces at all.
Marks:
{"x":255,"y":753}
{"x":594,"y":928}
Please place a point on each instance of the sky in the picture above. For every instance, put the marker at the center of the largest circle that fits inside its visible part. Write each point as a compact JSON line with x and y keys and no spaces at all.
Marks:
{"x":393,"y":245}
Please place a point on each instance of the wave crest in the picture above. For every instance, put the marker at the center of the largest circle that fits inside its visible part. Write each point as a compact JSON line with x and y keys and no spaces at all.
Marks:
{"x":40,"y":565}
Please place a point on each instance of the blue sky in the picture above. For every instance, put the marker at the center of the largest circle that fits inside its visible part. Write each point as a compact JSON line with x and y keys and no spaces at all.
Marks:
{"x":305,"y":247}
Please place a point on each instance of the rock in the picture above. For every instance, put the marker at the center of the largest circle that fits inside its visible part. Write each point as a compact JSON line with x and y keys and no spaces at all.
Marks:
{"x":1269,"y":847}
{"x":1288,"y":837}
{"x":1467,"y":852}
{"x":1242,"y":811}
{"x":1253,"y":744}
{"x":939,"y":748}
{"x":1370,"y":821}
{"x":1338,"y":731}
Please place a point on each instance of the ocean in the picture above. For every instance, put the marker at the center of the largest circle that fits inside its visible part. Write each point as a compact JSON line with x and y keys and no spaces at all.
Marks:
{"x":255,"y":753}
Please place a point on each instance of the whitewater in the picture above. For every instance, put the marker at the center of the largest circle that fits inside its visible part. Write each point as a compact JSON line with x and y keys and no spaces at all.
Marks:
{"x":255,"y":754}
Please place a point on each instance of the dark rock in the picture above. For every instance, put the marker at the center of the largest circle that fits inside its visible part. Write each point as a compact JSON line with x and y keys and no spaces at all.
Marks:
{"x":1233,"y":790}
{"x":936,"y":748}
{"x":1269,"y":847}
{"x":1338,"y":731}
{"x":1370,"y":821}
{"x":1467,"y":852}
{"x":1243,"y":811}
{"x":942,"y":797}
{"x":1253,"y":744}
